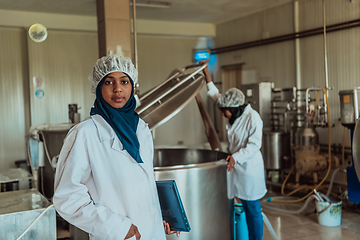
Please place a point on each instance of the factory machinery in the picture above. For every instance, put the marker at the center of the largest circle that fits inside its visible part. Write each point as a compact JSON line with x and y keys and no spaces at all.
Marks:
{"x":294,"y":158}
{"x":292,"y":153}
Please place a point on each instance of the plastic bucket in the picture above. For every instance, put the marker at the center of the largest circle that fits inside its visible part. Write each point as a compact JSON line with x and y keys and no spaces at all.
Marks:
{"x":329,"y":214}
{"x":240,"y":227}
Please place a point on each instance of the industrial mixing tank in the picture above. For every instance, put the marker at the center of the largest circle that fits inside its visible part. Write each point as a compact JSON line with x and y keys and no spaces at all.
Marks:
{"x":201,"y":179}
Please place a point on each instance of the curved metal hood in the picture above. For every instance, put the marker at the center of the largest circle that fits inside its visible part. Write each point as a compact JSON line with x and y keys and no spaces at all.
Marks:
{"x":167,"y":99}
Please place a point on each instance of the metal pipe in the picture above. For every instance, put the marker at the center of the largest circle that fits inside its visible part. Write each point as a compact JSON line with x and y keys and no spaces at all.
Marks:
{"x":325,"y":58}
{"x":307,"y":99}
{"x":287,"y":37}
{"x":135,"y":42}
{"x":325,"y":49}
{"x":307,"y":96}
{"x":297,"y":56}
{"x":297,"y":46}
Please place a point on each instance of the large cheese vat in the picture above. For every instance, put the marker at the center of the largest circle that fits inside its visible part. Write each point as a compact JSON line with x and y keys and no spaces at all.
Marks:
{"x":200,"y":176}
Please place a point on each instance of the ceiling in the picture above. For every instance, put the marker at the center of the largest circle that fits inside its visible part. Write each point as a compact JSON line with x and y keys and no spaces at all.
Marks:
{"x":201,"y":11}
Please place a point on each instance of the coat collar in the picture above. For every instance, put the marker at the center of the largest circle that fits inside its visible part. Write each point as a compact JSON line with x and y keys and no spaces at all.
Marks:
{"x":106,"y":133}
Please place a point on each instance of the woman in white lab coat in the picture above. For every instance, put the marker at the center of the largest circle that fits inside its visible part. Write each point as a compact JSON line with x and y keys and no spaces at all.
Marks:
{"x":246,"y":176}
{"x":104,"y":181}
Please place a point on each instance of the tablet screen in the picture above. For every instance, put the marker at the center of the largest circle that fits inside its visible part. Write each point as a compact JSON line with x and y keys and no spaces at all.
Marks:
{"x":172,"y":209}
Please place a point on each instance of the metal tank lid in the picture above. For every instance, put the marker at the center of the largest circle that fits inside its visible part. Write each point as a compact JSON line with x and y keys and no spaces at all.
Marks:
{"x":164,"y":101}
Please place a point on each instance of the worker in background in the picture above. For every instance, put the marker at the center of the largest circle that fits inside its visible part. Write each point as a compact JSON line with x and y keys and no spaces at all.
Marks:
{"x":104,"y":181}
{"x":246,"y":175}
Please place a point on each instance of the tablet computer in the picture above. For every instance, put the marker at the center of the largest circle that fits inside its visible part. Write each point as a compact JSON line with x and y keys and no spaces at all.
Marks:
{"x":172,"y":209}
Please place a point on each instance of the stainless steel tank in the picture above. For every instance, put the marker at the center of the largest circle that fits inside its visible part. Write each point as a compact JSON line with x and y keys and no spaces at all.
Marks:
{"x":276,"y":150}
{"x":201,"y":179}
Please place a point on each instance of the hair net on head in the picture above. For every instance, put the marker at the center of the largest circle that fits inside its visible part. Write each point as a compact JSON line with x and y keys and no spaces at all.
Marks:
{"x":112,"y":63}
{"x":231,"y":98}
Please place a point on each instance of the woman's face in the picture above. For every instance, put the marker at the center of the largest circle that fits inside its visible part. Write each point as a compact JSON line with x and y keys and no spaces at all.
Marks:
{"x":226,"y":113}
{"x":116,"y":89}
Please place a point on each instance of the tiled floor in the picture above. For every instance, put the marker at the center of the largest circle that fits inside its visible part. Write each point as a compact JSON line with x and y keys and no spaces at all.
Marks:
{"x":305,"y":225}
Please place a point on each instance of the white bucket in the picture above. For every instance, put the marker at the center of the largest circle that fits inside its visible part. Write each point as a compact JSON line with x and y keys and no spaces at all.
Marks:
{"x":329,"y":216}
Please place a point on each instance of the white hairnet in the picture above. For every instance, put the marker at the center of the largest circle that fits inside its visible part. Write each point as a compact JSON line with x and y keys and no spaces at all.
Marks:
{"x":112,"y":63}
{"x":231,"y":98}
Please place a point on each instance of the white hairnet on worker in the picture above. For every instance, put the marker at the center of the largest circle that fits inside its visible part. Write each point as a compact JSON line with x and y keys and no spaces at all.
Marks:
{"x":231,"y":98}
{"x":112,"y":63}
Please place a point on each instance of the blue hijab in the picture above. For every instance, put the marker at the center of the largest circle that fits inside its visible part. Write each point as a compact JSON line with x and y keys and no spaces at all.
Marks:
{"x":123,"y":120}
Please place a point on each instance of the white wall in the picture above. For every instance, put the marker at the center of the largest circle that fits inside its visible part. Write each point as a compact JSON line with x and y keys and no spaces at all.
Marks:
{"x":13,"y":101}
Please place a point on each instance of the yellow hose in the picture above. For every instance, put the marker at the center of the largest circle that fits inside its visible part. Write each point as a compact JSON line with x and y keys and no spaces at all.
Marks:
{"x":284,"y":183}
{"x":329,"y":168}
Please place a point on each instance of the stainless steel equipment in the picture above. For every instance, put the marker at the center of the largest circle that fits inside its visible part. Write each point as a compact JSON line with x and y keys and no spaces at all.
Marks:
{"x":307,"y":154}
{"x":201,"y":179}
{"x":167,"y":99}
{"x":306,"y":136}
{"x":18,"y":209}
{"x":49,"y":138}
{"x":15,"y":179}
{"x":276,"y":150}
{"x":74,"y":116}
{"x":259,"y":96}
{"x":349,"y":107}
{"x":53,"y":141}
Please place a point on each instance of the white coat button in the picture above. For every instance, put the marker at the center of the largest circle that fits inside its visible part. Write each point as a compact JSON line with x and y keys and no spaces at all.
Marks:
{"x":144,"y":179}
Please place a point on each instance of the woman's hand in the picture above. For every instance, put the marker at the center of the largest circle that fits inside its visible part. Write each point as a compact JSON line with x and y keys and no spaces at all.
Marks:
{"x":231,"y":163}
{"x":133,"y":231}
{"x":168,"y":231}
{"x":205,"y":71}
{"x":202,"y":62}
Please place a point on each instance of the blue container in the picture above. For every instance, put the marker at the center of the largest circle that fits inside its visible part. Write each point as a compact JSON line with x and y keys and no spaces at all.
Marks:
{"x":240,"y":227}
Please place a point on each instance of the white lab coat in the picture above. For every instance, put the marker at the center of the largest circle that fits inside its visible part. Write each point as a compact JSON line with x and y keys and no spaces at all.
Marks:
{"x":247,"y":179}
{"x":101,"y":189}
